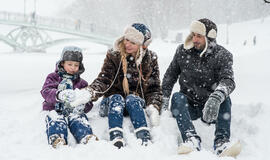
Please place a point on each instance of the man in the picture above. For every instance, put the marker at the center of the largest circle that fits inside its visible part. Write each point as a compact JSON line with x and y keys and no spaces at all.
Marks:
{"x":205,"y":74}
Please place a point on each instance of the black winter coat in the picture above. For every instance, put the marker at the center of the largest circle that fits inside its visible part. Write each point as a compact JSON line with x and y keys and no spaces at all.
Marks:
{"x":200,"y":76}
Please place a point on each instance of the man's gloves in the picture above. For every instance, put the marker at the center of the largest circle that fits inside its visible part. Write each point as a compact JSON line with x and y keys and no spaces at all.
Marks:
{"x":211,"y":107}
{"x":83,"y":96}
{"x":66,"y":96}
{"x":165,"y":103}
{"x":153,"y":115}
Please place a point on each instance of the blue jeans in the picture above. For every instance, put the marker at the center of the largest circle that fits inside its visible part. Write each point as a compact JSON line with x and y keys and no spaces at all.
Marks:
{"x":134,"y":106}
{"x":184,"y":111}
{"x":114,"y":107}
{"x":78,"y":125}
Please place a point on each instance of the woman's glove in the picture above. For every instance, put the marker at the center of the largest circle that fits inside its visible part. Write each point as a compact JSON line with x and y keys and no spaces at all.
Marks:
{"x":153,"y":115}
{"x":165,"y":103}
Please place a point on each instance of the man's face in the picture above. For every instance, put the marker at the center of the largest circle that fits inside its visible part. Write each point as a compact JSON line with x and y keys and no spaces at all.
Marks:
{"x":198,"y":41}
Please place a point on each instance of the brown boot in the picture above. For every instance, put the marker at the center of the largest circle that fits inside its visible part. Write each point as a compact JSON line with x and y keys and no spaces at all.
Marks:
{"x":58,"y":142}
{"x":87,"y":138}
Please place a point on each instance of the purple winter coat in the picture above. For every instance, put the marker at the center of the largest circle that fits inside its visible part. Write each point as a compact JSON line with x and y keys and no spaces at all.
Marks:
{"x":49,"y":90}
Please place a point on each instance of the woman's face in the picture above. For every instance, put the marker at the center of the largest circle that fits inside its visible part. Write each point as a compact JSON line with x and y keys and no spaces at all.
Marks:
{"x":131,"y":47}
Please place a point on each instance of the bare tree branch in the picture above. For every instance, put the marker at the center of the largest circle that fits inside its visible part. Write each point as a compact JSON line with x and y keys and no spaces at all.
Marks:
{"x":267,"y":1}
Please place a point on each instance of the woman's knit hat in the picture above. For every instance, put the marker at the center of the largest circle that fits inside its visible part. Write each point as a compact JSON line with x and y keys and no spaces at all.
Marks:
{"x":139,"y":34}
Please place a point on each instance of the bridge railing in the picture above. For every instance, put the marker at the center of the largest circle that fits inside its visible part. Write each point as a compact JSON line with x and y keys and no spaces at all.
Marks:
{"x":63,"y":23}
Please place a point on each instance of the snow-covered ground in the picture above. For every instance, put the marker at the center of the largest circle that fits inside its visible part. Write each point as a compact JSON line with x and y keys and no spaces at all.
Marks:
{"x":22,"y":124}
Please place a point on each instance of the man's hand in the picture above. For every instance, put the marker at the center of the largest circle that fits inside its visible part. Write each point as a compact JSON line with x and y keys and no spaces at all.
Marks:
{"x":211,"y":107}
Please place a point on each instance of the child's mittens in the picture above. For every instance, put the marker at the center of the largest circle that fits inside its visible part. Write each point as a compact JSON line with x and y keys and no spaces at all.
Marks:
{"x":79,"y":109}
{"x":67,"y":95}
{"x":83,"y":96}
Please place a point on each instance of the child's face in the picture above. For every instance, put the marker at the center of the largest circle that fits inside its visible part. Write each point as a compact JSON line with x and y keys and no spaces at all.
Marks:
{"x":71,"y":67}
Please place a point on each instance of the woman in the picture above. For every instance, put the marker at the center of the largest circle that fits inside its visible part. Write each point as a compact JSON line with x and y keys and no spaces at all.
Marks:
{"x":129,"y":82}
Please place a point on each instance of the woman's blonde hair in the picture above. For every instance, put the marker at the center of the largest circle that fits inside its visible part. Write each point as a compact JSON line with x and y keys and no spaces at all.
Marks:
{"x":124,"y":65}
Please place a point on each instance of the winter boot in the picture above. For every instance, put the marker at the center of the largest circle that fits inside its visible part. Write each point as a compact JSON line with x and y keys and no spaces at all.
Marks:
{"x":220,"y":145}
{"x":88,"y":138}
{"x":191,"y":144}
{"x":56,"y":129}
{"x":56,"y":141}
{"x":223,"y":147}
{"x":143,"y":134}
{"x":119,"y":143}
{"x":116,"y":137}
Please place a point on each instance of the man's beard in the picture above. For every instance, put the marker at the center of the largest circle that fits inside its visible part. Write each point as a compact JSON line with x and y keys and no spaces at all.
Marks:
{"x":198,"y":46}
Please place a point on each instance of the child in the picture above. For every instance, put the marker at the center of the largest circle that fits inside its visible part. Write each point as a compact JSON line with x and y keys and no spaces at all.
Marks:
{"x":58,"y":91}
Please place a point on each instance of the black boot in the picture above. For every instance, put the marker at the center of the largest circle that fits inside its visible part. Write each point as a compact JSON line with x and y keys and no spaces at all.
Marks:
{"x":144,"y":135}
{"x":116,"y":136}
{"x":220,"y":145}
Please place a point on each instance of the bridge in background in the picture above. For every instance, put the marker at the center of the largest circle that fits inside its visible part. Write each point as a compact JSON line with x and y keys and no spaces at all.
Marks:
{"x":31,"y":34}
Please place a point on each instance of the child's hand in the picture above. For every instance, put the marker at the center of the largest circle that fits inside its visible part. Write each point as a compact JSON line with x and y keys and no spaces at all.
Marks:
{"x":83,"y":96}
{"x":67,"y":95}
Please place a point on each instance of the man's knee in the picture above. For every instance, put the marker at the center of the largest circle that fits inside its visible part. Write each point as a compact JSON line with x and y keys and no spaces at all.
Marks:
{"x":179,"y":103}
{"x":225,"y":109}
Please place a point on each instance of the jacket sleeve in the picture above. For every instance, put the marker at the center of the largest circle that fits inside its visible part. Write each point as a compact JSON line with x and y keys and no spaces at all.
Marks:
{"x":171,"y":75}
{"x":49,"y":89}
{"x":106,"y":76}
{"x":226,"y":74}
{"x":153,"y":94}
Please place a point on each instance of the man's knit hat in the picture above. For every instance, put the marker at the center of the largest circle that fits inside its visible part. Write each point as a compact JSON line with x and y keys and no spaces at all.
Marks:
{"x":203,"y":27}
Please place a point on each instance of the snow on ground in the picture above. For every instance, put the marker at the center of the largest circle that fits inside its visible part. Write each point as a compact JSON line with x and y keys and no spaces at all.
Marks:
{"x":22,"y":124}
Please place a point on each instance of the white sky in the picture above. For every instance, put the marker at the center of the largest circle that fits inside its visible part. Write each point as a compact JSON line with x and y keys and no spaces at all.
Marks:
{"x":43,"y":7}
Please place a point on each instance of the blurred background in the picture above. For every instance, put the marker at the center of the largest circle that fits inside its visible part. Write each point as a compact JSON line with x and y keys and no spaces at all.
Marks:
{"x":160,"y":15}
